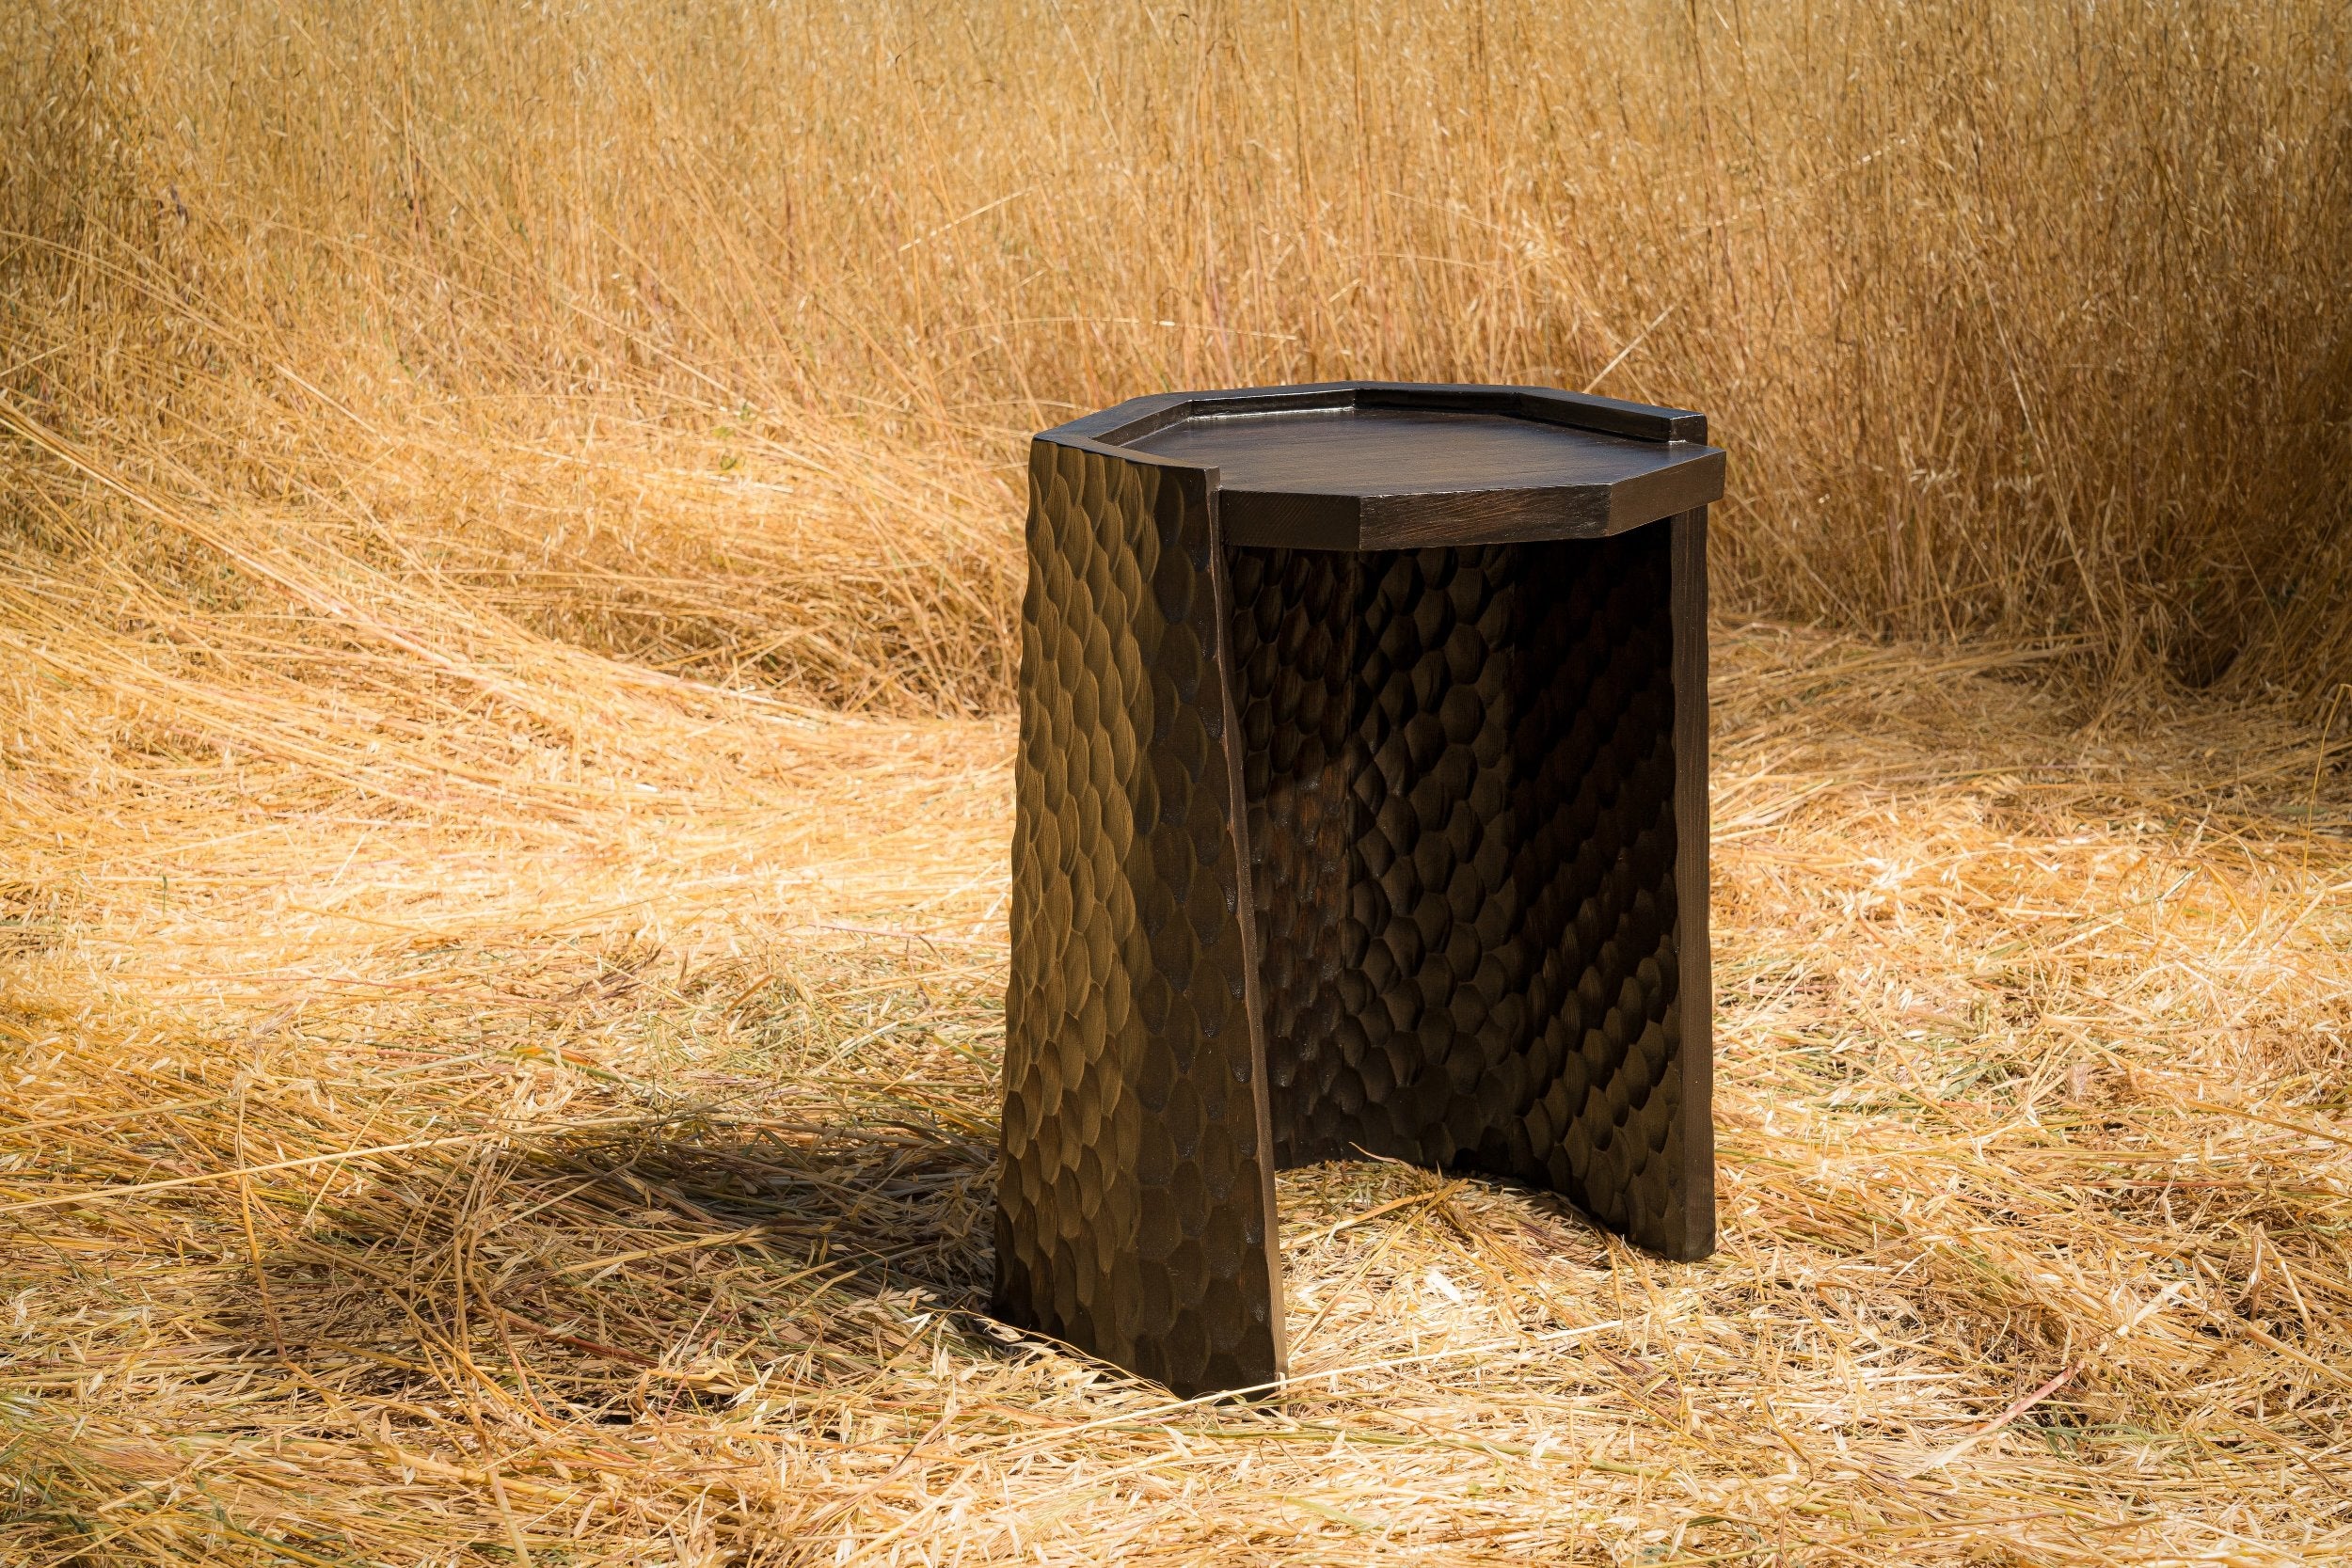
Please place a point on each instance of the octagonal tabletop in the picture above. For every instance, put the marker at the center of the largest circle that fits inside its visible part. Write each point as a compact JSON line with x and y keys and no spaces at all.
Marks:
{"x":1371,"y":465}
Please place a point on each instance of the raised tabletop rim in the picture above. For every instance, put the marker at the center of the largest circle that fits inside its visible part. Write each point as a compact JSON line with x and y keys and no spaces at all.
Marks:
{"x":1507,"y":510}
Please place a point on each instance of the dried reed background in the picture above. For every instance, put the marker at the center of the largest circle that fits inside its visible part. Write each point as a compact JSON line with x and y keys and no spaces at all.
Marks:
{"x":506,"y":542}
{"x":707,"y":334}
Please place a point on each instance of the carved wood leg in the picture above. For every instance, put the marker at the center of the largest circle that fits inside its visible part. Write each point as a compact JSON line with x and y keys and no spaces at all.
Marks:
{"x":1136,"y":1203}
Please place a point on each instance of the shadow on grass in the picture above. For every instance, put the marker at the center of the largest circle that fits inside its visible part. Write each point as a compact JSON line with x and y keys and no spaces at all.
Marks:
{"x":692,"y":1263}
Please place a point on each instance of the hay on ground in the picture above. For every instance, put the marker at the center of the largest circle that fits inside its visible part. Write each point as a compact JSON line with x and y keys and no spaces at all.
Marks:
{"x":589,"y":1162}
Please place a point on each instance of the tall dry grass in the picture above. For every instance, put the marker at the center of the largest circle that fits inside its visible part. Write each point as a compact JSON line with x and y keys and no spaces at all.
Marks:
{"x":706,"y":334}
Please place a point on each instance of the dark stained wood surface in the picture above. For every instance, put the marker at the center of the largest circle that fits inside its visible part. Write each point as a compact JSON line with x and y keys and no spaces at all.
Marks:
{"x":1253,"y":702}
{"x":1373,"y":451}
{"x":1694,"y":950}
{"x":1400,"y":465}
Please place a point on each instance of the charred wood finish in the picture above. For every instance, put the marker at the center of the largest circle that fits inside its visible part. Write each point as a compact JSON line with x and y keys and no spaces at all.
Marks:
{"x":1361,"y":810}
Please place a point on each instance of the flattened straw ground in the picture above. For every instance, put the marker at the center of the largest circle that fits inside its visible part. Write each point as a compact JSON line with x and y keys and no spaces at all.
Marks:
{"x":2036,"y":1168}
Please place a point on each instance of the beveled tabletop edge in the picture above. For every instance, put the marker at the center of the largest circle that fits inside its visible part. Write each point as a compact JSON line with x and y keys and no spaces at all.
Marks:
{"x":1692,"y":477}
{"x":1137,"y":417}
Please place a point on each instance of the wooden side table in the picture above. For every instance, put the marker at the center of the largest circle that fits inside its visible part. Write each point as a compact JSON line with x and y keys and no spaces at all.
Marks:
{"x":1361,"y":809}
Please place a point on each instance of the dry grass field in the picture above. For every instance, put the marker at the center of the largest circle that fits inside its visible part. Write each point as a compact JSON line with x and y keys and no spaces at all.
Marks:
{"x":508,"y":533}
{"x":595,"y":1170}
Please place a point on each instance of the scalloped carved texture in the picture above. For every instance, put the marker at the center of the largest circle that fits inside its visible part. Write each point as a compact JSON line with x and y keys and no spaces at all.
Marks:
{"x":1134,"y":1201}
{"x":1294,"y":616}
{"x":1459,"y":771}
